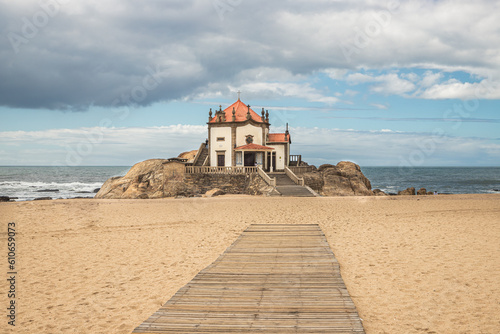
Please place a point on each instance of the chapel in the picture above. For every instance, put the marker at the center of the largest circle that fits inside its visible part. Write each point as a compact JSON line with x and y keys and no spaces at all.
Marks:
{"x":238,"y":136}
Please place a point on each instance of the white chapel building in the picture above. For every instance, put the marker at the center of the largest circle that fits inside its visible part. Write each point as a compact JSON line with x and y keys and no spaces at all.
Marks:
{"x":238,"y":136}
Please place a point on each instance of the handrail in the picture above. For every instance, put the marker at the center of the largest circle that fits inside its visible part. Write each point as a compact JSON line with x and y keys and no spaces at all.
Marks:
{"x":301,"y":169}
{"x":197,"y":156}
{"x":293,"y":177}
{"x":270,"y":181}
{"x":220,"y":170}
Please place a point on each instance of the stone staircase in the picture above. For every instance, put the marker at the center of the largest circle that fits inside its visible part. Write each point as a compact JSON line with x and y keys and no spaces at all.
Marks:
{"x":202,"y":157}
{"x":286,"y":187}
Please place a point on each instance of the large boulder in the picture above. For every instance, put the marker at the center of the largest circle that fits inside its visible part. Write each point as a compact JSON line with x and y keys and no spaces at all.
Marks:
{"x":214,"y":192}
{"x":143,"y":180}
{"x":344,"y":179}
{"x":378,"y":192}
{"x":407,"y":191}
{"x":422,"y":191}
{"x":190,"y":155}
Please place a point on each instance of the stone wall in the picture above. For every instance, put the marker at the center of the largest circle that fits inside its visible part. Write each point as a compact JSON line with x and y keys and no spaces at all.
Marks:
{"x":229,"y":183}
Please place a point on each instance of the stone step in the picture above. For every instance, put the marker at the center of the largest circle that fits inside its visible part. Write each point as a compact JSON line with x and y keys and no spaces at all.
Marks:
{"x":202,"y":157}
{"x":294,"y":191}
{"x":281,"y":179}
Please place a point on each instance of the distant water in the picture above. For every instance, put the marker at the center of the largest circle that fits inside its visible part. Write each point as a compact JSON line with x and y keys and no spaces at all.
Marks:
{"x":28,"y":183}
{"x":450,"y":180}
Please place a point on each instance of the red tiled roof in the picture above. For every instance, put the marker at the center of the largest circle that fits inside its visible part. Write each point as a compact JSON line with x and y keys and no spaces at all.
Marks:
{"x":241,"y":111}
{"x":278,"y":138}
{"x":253,"y":147}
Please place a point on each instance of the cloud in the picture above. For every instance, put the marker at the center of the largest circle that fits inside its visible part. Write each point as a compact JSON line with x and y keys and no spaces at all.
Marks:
{"x":430,"y":78}
{"x":387,"y":147}
{"x":387,"y":84}
{"x":81,"y":54}
{"x":429,"y":86}
{"x":297,"y":90}
{"x":380,"y":106}
{"x":454,"y":89}
{"x":457,"y":119}
{"x":98,"y":145}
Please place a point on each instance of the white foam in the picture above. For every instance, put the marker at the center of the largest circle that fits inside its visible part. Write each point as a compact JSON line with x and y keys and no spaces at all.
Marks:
{"x":31,"y":190}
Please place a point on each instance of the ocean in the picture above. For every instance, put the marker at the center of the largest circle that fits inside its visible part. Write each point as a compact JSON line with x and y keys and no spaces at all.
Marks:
{"x":28,"y":183}
{"x":444,"y":180}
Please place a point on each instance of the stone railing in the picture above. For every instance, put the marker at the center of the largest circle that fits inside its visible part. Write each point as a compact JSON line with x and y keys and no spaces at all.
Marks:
{"x":219,"y":170}
{"x":267,"y":178}
{"x":295,"y":160}
{"x":293,"y":177}
{"x":301,"y":169}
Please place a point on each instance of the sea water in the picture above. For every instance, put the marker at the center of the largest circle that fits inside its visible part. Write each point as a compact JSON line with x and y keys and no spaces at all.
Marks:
{"x":447,"y":180}
{"x":27,"y":183}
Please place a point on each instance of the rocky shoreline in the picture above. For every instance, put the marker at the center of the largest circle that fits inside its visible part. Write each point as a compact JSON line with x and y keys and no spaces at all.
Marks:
{"x":160,"y":178}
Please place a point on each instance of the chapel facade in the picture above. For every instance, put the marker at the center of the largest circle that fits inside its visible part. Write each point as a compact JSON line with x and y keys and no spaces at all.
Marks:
{"x":238,"y":136}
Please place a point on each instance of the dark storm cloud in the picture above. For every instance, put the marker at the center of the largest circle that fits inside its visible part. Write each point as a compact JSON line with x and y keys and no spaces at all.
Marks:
{"x":63,"y":54}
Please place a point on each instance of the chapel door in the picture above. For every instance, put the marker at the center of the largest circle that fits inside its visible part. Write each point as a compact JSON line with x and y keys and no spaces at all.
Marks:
{"x":249,"y":159}
{"x":271,"y":156}
{"x":221,"y":160}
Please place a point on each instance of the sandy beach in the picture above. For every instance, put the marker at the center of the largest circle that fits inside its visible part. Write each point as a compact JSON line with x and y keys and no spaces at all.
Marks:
{"x":426,"y":264}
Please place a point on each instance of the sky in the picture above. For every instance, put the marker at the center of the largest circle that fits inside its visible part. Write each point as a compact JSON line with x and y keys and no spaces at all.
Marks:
{"x":379,"y":83}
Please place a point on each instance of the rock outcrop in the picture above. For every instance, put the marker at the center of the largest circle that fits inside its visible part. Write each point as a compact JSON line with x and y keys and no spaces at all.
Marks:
{"x":378,"y":192}
{"x":190,"y":155}
{"x":43,"y":199}
{"x":407,"y":191}
{"x":422,"y":191}
{"x":158,"y":178}
{"x":214,"y":192}
{"x":143,"y":180}
{"x":344,"y":179}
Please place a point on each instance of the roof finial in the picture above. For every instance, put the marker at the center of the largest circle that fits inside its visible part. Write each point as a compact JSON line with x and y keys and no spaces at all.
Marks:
{"x":239,"y":93}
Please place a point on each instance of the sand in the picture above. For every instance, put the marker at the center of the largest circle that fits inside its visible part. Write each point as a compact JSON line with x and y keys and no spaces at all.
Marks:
{"x":412,"y":264}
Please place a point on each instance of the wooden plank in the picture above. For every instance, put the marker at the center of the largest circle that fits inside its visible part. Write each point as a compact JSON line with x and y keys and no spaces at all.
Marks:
{"x":276,"y":278}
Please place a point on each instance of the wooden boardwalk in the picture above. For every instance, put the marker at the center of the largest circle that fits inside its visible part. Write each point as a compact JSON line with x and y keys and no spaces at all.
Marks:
{"x":272,"y":279}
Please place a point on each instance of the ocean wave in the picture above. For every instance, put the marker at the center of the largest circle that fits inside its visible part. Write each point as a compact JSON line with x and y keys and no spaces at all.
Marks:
{"x":30,"y":190}
{"x":47,"y":185}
